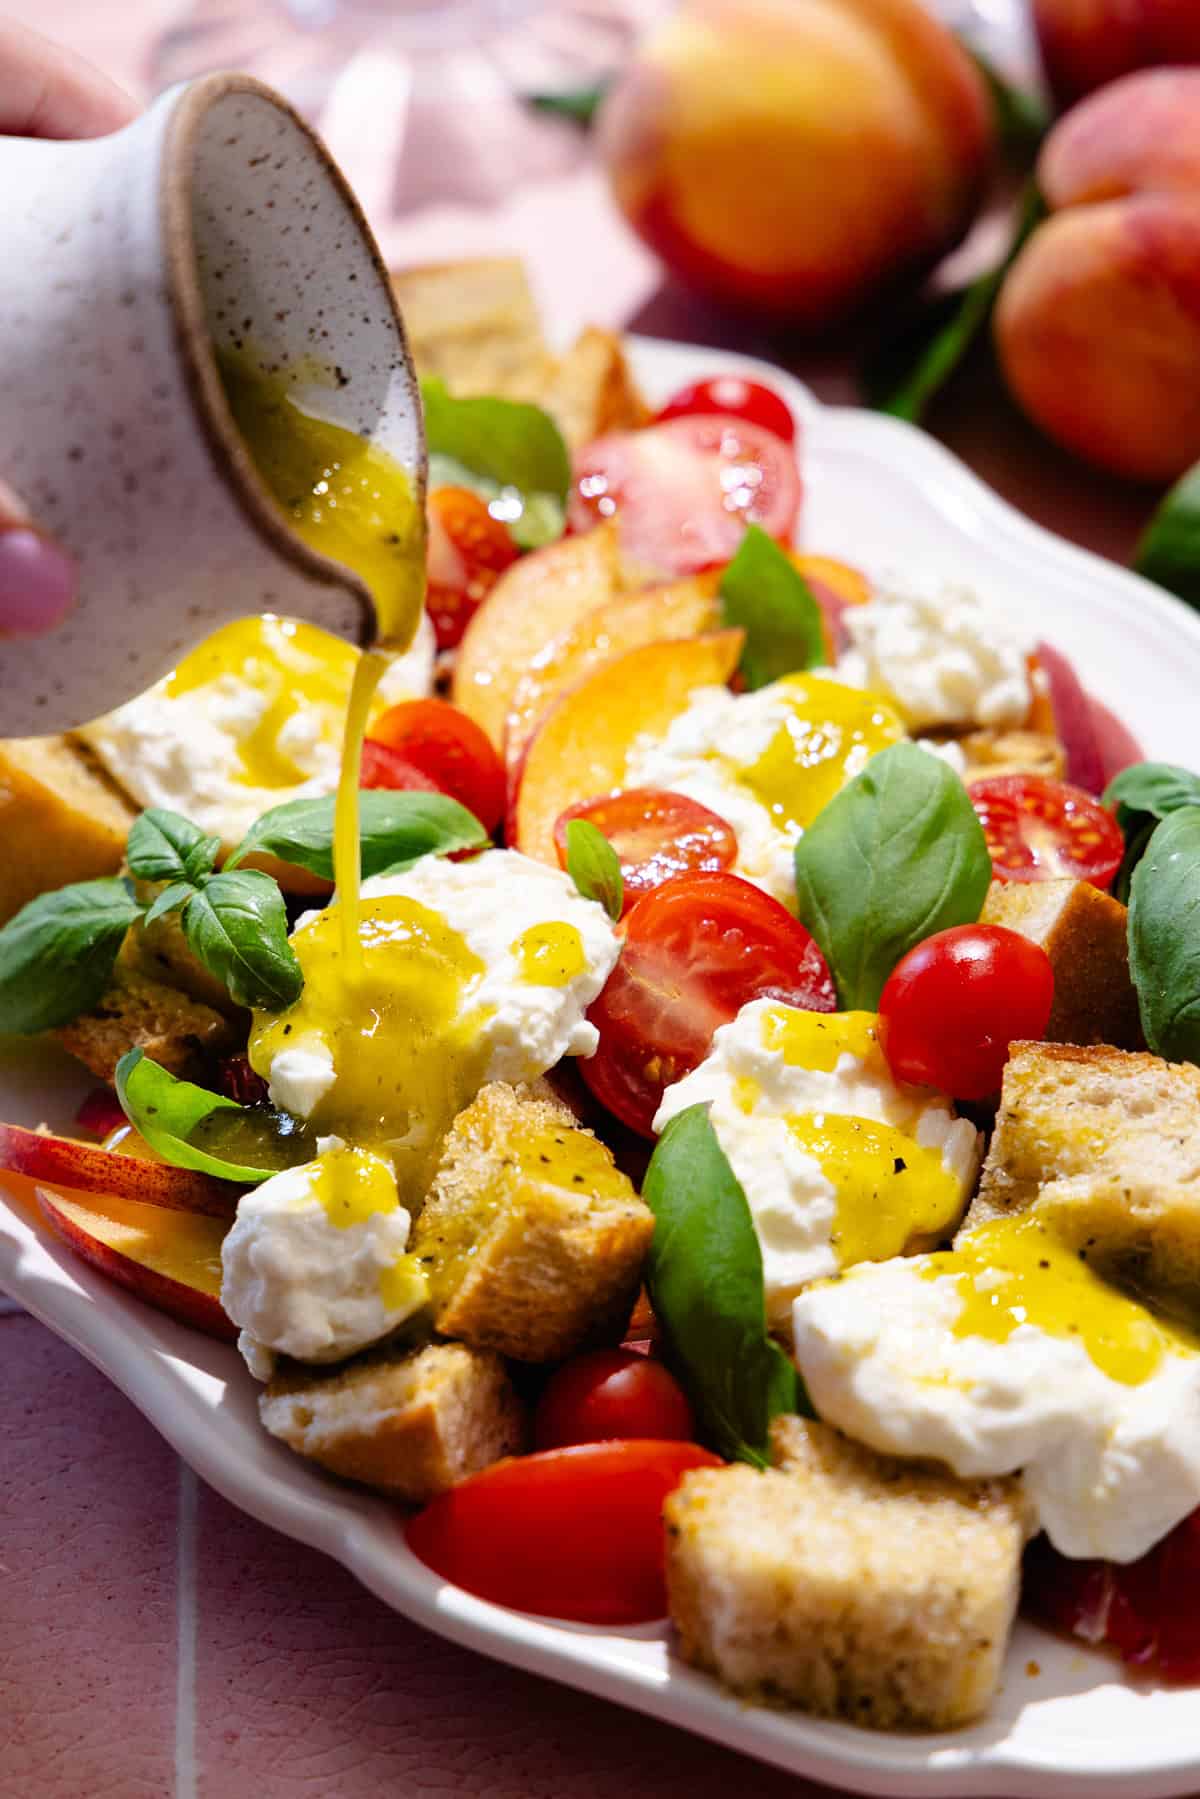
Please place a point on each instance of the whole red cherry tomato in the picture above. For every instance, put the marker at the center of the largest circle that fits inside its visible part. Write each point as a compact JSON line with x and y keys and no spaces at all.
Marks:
{"x":568,"y":1533}
{"x":695,"y":951}
{"x":683,"y":493}
{"x":611,"y":1393}
{"x":656,"y":835}
{"x":450,"y":750}
{"x":1038,"y":829}
{"x":467,"y":552}
{"x":951,"y":1007}
{"x":736,"y":397}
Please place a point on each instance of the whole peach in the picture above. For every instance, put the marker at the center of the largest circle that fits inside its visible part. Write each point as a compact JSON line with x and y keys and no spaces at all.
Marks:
{"x":1098,"y":322}
{"x":789,"y":156}
{"x":1086,"y":43}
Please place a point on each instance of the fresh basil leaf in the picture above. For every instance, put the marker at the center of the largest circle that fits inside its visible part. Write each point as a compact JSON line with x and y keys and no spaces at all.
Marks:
{"x":237,"y":925}
{"x":397,"y":830}
{"x":1141,"y":795}
{"x":505,"y":441}
{"x":1164,"y":937}
{"x":705,"y":1277}
{"x":594,"y":866}
{"x":895,"y":856}
{"x":580,"y":104}
{"x":533,"y":519}
{"x":764,"y":592}
{"x":1022,"y":116}
{"x":171,"y":899}
{"x":57,"y":954}
{"x":193,"y":1128}
{"x":904,"y":375}
{"x":163,"y":846}
{"x":1169,"y":552}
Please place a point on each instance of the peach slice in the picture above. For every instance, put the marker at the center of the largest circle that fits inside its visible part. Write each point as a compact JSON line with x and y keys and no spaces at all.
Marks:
{"x":534,"y":601}
{"x":169,"y":1259}
{"x":86,"y":1166}
{"x":683,"y":609}
{"x":581,"y":748}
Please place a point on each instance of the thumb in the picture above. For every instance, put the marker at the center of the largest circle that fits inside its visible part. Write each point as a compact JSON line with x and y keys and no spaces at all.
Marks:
{"x":38,"y":580}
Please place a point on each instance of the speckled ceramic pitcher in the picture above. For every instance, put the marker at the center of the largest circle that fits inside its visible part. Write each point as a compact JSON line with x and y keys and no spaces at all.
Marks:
{"x":216,"y":220}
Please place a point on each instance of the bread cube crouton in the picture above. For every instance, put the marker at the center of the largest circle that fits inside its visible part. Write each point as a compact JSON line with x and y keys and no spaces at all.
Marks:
{"x":532,"y":1237}
{"x":1106,"y":1145}
{"x":995,"y":752}
{"x":848,"y":1583}
{"x":62,"y":820}
{"x":591,"y":389}
{"x":138,"y":1012}
{"x":1083,"y":932}
{"x":410,"y":1422}
{"x":475,"y":326}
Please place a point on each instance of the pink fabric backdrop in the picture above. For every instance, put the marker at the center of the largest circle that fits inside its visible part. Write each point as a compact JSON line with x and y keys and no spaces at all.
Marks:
{"x":152,"y":1640}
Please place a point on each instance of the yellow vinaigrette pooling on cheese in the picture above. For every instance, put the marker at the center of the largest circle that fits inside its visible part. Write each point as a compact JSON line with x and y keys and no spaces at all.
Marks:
{"x":819,"y":1040}
{"x":892,"y":1194}
{"x":1016,"y":1271}
{"x":405,"y":1047}
{"x":550,"y":955}
{"x":348,"y":500}
{"x":829,"y":734}
{"x":293,"y":665}
{"x":354,"y":1186}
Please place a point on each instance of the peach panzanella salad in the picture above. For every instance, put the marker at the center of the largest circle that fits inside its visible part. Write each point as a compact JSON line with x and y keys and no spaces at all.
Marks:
{"x":743,"y":1165}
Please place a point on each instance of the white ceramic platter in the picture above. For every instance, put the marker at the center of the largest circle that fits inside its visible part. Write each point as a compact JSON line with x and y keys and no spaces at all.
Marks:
{"x":890,"y":499}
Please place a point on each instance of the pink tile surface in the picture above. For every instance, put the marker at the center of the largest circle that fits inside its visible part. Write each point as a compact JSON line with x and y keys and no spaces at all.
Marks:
{"x":155,"y":1642}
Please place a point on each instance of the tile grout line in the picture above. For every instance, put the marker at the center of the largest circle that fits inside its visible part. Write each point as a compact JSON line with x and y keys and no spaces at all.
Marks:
{"x":185,"y":1637}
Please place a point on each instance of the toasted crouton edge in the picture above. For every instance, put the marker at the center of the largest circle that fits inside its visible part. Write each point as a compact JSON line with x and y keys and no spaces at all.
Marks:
{"x":408,"y":1423}
{"x":853,"y":1585}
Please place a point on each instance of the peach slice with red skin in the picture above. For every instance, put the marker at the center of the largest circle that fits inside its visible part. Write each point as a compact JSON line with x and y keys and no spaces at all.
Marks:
{"x":581,"y":749}
{"x":68,"y":1162}
{"x":683,"y":609}
{"x":172,"y":1260}
{"x":533,"y":602}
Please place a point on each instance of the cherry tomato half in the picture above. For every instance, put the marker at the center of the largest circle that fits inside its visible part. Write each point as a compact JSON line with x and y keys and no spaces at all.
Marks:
{"x":1147,"y":1610}
{"x":468,"y":551}
{"x":684,"y":492}
{"x":568,"y":1533}
{"x":656,"y":835}
{"x":611,"y":1393}
{"x":736,"y":398}
{"x":951,"y":1007}
{"x":450,"y":750}
{"x":382,"y":767}
{"x":696,"y":950}
{"x":1043,"y":830}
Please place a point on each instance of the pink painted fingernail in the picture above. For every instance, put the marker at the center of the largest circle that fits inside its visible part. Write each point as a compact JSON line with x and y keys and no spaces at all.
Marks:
{"x":38,"y":582}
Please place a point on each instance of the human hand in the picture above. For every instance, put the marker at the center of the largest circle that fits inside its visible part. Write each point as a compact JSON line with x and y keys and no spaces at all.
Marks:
{"x":45,"y":91}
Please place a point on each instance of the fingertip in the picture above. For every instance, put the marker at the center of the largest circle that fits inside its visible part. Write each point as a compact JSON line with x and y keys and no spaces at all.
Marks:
{"x":39,"y":582}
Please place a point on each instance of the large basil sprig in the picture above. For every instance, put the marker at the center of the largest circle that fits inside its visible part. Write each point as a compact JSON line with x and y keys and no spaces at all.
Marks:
{"x":397,"y":829}
{"x":764,"y":593}
{"x":57,"y":954}
{"x":1141,"y":796}
{"x":895,"y":856}
{"x":705,"y":1277}
{"x":1164,"y":937}
{"x":193,"y":1128}
{"x":164,"y":846}
{"x":237,"y":924}
{"x":509,"y":452}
